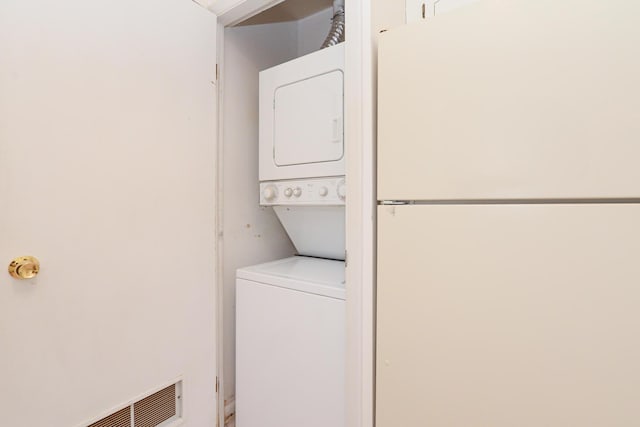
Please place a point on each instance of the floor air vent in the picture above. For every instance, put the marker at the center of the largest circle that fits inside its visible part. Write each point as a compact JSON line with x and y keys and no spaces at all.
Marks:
{"x":155,"y":409}
{"x":122,"y":418}
{"x":158,"y":409}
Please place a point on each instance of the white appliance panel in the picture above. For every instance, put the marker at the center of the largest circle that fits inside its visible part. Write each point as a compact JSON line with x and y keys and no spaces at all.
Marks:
{"x":308,"y":120}
{"x":508,"y":315}
{"x":301,"y":117}
{"x":315,"y":230}
{"x":290,"y":357}
{"x":512,"y":99}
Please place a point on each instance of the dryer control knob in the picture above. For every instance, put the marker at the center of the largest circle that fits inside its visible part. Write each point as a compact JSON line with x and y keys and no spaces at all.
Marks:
{"x":270,"y":193}
{"x":342,"y":190}
{"x":323,"y":191}
{"x":288,"y":192}
{"x":297,"y":192}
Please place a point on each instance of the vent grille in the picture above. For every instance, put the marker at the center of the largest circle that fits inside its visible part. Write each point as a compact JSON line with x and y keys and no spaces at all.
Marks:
{"x":151,"y":411}
{"x":155,"y":409}
{"x":122,"y":418}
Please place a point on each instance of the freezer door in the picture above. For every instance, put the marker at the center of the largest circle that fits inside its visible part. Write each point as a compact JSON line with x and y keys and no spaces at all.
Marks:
{"x":512,"y":99}
{"x":508,"y":315}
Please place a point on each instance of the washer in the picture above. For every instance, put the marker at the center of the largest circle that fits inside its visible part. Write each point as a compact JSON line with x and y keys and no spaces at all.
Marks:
{"x":290,"y":344}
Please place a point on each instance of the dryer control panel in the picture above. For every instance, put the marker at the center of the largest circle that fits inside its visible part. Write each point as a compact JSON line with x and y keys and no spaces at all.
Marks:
{"x":320,"y":191}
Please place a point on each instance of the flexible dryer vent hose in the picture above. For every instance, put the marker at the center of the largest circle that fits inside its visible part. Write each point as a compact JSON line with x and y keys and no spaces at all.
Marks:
{"x":336,"y":34}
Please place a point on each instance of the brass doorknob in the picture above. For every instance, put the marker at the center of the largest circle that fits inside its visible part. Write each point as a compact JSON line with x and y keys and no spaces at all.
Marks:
{"x":24,"y":267}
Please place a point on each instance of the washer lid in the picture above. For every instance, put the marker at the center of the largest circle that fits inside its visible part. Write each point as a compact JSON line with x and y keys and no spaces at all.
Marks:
{"x":312,"y":275}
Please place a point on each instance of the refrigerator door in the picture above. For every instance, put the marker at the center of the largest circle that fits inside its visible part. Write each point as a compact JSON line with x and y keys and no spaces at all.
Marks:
{"x":508,"y":315}
{"x":512,"y":99}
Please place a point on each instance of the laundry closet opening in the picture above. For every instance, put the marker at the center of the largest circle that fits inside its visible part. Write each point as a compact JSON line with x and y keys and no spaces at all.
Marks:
{"x":282,"y":162}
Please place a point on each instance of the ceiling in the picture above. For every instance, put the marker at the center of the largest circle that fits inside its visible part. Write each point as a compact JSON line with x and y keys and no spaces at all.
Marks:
{"x":289,"y":10}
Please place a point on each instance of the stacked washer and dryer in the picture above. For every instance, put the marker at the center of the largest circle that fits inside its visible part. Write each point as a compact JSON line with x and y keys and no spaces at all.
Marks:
{"x":290,"y":313}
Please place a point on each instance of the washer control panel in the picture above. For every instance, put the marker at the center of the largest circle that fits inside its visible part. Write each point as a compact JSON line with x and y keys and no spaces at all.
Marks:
{"x":314,"y":191}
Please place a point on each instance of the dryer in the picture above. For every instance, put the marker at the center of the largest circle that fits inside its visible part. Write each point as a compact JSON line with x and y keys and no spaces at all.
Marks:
{"x":301,"y":117}
{"x":301,"y":150}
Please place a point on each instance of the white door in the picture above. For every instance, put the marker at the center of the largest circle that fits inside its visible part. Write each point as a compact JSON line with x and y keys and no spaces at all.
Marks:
{"x":508,"y":315}
{"x":107,"y":136}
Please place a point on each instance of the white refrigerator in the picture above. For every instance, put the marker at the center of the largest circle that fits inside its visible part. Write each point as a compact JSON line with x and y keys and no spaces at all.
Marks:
{"x":509,"y":217}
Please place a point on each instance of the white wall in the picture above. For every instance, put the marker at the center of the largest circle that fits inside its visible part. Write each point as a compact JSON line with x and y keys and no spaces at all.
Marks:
{"x":365,"y":19}
{"x":387,"y":14}
{"x":312,"y":31}
{"x":251,"y":234}
{"x":107,"y":161}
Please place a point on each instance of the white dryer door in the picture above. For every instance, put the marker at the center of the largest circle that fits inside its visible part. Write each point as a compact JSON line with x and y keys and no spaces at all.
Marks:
{"x":308,"y":121}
